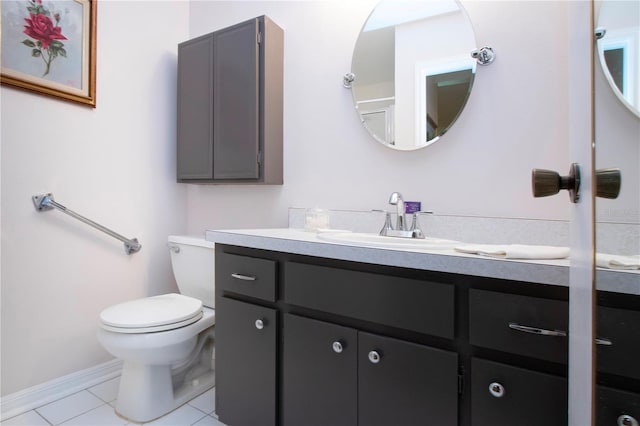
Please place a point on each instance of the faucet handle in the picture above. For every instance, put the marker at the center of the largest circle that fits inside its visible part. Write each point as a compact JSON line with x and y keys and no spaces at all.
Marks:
{"x":387,"y":224}
{"x":416,"y":231}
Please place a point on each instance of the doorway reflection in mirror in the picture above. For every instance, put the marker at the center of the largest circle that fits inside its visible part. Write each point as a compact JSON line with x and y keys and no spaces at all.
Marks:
{"x":619,"y":49}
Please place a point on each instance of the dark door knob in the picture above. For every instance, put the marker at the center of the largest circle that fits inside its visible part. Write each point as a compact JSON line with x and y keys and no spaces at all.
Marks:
{"x":547,"y":182}
{"x":608,"y":183}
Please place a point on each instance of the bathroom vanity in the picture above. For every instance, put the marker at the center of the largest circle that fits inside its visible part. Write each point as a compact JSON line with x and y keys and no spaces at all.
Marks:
{"x":313,"y":333}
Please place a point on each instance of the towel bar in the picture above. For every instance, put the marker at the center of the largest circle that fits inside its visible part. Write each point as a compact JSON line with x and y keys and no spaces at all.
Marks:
{"x":44,"y":202}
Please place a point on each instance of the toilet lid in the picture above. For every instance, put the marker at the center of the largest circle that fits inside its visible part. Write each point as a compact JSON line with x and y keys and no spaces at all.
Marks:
{"x":153,"y":312}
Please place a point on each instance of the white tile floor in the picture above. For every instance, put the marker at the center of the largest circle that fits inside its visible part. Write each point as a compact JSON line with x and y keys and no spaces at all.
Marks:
{"x":94,"y":407}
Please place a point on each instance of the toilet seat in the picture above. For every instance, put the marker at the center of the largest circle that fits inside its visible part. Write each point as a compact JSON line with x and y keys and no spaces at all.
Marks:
{"x":152,"y":314}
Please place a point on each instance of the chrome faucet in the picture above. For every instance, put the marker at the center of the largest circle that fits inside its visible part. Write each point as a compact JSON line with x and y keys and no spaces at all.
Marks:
{"x":396,"y":200}
{"x":402,"y":229}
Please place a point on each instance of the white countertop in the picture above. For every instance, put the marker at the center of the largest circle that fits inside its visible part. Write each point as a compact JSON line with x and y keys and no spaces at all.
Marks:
{"x":297,"y":241}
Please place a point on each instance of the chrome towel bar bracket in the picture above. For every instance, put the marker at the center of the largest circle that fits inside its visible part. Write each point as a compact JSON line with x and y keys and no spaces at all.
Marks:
{"x":44,"y":202}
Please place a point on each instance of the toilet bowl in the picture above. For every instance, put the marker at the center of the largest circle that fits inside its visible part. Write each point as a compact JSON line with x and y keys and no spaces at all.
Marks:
{"x":166,"y":341}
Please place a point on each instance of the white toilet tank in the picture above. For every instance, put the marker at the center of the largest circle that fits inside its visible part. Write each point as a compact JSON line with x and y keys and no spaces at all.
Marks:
{"x":192,"y":259}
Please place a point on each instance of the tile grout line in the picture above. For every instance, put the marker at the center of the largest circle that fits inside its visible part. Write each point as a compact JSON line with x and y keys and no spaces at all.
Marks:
{"x":71,"y":418}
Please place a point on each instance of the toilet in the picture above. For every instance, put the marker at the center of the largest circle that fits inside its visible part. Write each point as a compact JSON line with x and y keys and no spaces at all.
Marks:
{"x":166,"y":341}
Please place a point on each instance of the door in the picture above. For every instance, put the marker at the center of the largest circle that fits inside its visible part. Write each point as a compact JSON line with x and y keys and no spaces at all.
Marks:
{"x":319,"y":373}
{"x":236,"y":102}
{"x":195,"y":109}
{"x":616,"y":59}
{"x":581,"y":274}
{"x":403,"y":383}
{"x":246,"y":346}
{"x":504,"y":395}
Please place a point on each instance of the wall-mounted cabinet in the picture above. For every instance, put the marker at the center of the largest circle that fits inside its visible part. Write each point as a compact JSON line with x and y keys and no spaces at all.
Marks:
{"x":230,"y":105}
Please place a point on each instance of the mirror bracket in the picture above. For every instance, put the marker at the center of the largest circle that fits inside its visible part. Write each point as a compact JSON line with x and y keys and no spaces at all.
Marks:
{"x":484,"y":55}
{"x":348,"y":79}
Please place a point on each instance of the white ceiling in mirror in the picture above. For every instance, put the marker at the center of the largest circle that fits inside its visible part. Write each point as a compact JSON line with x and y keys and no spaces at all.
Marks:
{"x":392,"y":13}
{"x":618,"y":35}
{"x":413,"y":70}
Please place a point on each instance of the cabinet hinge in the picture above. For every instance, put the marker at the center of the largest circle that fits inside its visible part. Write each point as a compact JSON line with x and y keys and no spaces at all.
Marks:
{"x":259,"y":157}
{"x":259,"y":37}
{"x":460,"y":384}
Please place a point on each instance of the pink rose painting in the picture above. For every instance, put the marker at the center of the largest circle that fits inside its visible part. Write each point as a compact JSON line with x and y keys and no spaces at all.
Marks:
{"x":48,"y":47}
{"x":44,"y":35}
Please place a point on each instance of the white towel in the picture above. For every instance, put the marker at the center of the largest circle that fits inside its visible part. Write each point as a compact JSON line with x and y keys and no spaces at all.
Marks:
{"x":515,"y":251}
{"x":613,"y":261}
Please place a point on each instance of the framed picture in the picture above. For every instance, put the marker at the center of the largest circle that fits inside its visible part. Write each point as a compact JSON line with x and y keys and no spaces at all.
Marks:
{"x":49,"y":48}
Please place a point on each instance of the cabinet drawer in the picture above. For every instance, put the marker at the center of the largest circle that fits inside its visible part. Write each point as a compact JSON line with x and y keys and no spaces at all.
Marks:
{"x":422,"y":306}
{"x":249,"y":276}
{"x":618,"y":341}
{"x":503,"y":395}
{"x":612,"y":405}
{"x":524,"y":325}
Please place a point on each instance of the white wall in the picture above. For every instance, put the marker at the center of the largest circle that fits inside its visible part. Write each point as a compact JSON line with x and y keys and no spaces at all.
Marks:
{"x":115,"y":165}
{"x":515,"y":120}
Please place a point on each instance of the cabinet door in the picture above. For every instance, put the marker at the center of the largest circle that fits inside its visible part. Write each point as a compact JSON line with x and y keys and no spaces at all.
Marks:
{"x":503,"y":395}
{"x":245,"y":363}
{"x":319,"y":373}
{"x":402,"y":383}
{"x":616,"y":407}
{"x":236,"y":102}
{"x":618,"y":341}
{"x":195,"y":109}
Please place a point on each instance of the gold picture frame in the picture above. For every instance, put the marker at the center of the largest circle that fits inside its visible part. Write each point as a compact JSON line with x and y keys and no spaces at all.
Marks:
{"x":49,"y":48}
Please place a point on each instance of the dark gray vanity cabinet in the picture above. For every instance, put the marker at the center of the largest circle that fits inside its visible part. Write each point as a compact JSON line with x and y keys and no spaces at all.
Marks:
{"x":229,"y":109}
{"x":310,"y":341}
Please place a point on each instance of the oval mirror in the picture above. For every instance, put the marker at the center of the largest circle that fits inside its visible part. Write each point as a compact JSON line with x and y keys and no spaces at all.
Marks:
{"x":618,"y":36}
{"x":413,"y":70}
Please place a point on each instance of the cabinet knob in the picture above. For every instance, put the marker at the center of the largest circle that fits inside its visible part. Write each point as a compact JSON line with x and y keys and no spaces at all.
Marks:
{"x":626,"y":420}
{"x":337,"y":347}
{"x":259,"y":324}
{"x":496,"y":389}
{"x":374,"y":357}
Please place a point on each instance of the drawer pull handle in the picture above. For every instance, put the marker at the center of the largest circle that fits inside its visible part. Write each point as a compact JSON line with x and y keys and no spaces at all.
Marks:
{"x":535,"y":330}
{"x":337,"y":347}
{"x":626,"y":420}
{"x":374,"y":357}
{"x":243,"y":277}
{"x":259,"y":324}
{"x":496,"y":390}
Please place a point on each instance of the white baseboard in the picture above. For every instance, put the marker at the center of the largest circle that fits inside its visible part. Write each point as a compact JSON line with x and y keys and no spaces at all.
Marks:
{"x":39,"y":395}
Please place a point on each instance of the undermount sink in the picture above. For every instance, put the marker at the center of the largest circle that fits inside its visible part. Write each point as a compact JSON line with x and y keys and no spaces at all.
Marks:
{"x":375,"y":240}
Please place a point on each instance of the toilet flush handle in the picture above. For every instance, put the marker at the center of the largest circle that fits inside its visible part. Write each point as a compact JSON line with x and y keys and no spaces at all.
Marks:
{"x":174,"y":247}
